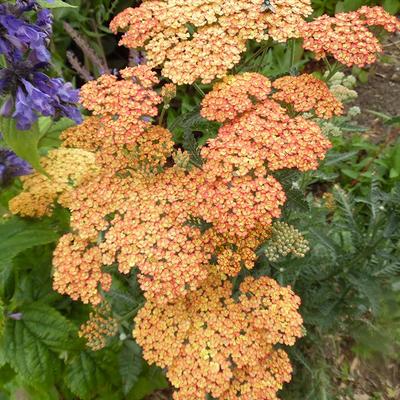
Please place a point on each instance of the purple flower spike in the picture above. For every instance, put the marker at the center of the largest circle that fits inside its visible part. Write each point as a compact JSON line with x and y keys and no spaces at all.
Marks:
{"x":27,"y":91}
{"x":12,"y":166}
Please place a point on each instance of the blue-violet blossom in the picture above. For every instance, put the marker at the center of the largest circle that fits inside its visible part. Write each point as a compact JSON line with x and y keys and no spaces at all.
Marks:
{"x":11,"y":166}
{"x":27,"y":91}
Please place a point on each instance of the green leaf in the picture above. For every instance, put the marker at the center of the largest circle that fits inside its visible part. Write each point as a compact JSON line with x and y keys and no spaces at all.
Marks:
{"x":152,"y":380}
{"x":337,"y":158}
{"x":28,"y":353}
{"x":6,"y":272}
{"x":54,"y":4}
{"x":391,"y":6}
{"x":49,"y":326}
{"x":84,"y":375}
{"x":17,"y":235}
{"x":51,"y":131}
{"x":130,"y":365}
{"x":350,"y":173}
{"x":23,"y":143}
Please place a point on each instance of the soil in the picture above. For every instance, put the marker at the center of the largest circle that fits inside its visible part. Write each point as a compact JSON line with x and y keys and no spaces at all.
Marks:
{"x":381,"y":92}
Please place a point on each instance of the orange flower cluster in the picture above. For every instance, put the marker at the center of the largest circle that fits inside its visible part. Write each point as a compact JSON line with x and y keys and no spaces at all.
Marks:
{"x":100,"y":326}
{"x":306,"y":93}
{"x":66,"y":169}
{"x":347,"y":37}
{"x":78,"y":270}
{"x":212,"y":344}
{"x":137,"y":210}
{"x":234,"y":95}
{"x":234,"y":255}
{"x":203,"y":39}
{"x":186,"y":230}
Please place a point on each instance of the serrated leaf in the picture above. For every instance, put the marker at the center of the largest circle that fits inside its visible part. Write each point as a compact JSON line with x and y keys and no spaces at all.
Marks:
{"x":28,"y":354}
{"x":54,"y":4}
{"x":337,"y":158}
{"x":47,"y":324}
{"x":191,"y":146}
{"x":83,"y":375}
{"x":130,"y":365}
{"x":17,"y":235}
{"x":295,"y":200}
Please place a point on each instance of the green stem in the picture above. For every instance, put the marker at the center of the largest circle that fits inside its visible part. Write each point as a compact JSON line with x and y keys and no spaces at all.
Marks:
{"x":162,"y":115}
{"x":331,"y":68}
{"x":199,"y":89}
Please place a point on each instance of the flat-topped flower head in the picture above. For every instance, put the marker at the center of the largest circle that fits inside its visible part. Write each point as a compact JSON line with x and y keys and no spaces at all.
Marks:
{"x":305,"y":93}
{"x":211,"y":344}
{"x":235,"y":95}
{"x":202,"y":39}
{"x":346,"y":36}
{"x":66,"y":169}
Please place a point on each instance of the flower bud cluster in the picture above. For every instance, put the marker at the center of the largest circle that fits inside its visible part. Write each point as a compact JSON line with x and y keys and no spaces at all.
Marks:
{"x":100,"y":326}
{"x":285,"y":240}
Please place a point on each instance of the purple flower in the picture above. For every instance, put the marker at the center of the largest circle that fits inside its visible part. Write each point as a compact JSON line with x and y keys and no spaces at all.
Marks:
{"x":28,"y":91}
{"x":11,"y":166}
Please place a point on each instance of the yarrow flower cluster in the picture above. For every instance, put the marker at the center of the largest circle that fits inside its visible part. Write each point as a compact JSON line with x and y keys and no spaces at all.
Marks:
{"x":26,"y":90}
{"x":66,"y":169}
{"x":306,"y":93}
{"x":212,"y":344}
{"x":186,"y":230}
{"x":100,"y":326}
{"x":129,"y":207}
{"x":346,"y":35}
{"x":202,"y":39}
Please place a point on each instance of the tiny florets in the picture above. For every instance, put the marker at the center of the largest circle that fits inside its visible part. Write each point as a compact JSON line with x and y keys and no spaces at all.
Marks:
{"x":202,"y":39}
{"x":210,"y":343}
{"x":346,"y":35}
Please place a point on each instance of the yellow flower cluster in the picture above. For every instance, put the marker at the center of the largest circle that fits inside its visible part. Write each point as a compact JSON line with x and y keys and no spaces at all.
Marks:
{"x":203,"y":39}
{"x":211,"y":344}
{"x":66,"y":169}
{"x":100,"y":326}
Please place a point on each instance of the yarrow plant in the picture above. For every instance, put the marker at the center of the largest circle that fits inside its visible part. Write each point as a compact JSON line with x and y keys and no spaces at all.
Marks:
{"x":187,"y":230}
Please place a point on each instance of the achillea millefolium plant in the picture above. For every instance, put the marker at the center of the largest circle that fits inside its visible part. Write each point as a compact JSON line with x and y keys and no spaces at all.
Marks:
{"x":186,"y":225}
